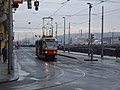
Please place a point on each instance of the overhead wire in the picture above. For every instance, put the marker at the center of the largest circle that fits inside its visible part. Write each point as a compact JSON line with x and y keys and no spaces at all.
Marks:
{"x":26,"y":28}
{"x":107,"y":12}
{"x":57,"y":10}
{"x":64,"y":3}
{"x":76,"y":14}
{"x":80,"y":12}
{"x":108,"y":1}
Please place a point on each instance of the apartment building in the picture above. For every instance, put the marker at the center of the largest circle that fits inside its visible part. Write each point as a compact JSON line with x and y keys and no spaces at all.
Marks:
{"x":4,"y":4}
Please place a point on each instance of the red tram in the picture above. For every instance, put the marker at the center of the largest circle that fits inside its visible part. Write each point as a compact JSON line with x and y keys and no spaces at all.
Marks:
{"x":46,"y":47}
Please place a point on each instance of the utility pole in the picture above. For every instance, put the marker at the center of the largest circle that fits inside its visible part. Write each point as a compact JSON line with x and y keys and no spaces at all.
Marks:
{"x":90,"y":6}
{"x":64,"y":35}
{"x":102,"y":31}
{"x":69,"y":38}
{"x":56,"y":29}
{"x":112,"y":38}
{"x":10,"y":35}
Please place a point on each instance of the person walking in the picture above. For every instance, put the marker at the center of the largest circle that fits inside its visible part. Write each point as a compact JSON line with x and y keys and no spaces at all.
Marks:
{"x":4,"y":53}
{"x":117,"y":52}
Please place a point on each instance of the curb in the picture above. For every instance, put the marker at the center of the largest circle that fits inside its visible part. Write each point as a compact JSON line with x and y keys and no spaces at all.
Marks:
{"x":94,"y":56}
{"x":67,"y":56}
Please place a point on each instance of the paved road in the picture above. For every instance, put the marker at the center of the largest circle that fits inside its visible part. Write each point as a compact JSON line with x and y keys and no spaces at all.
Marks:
{"x":66,"y":73}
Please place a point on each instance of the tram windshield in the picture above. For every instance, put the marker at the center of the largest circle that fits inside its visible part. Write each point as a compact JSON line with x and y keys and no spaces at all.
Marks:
{"x":51,"y":44}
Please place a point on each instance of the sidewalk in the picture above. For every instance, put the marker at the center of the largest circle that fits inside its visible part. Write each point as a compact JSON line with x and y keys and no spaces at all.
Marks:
{"x":4,"y":76}
{"x":77,"y":55}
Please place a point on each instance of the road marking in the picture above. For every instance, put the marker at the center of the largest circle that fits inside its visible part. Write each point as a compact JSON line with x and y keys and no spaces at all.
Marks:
{"x":79,"y":89}
{"x":34,"y":79}
{"x":92,"y":74}
{"x":97,"y":75}
{"x":80,"y":71}
{"x":61,"y":73}
{"x":22,"y":73}
{"x":57,"y":82}
{"x":32,"y":55}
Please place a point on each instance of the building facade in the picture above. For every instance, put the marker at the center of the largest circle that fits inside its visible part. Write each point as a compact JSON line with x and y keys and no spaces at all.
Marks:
{"x":4,"y":10}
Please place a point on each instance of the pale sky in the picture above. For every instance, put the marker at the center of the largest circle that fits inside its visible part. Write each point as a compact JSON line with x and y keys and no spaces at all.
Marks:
{"x":75,"y":11}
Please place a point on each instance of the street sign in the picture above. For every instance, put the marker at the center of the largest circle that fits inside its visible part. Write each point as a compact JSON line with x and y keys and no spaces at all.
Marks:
{"x":17,"y":1}
{"x":15,"y":5}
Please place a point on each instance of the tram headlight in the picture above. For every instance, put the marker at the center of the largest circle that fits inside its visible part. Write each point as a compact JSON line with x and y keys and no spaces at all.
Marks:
{"x":46,"y":52}
{"x":54,"y":52}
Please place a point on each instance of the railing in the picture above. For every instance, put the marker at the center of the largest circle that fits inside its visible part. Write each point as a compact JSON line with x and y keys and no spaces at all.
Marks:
{"x":109,"y":50}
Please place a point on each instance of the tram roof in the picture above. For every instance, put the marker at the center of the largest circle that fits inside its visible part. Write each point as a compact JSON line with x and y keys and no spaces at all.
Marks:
{"x":47,"y":38}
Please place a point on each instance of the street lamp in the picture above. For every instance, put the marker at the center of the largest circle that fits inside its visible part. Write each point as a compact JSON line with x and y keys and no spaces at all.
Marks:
{"x":90,"y":6}
{"x":69,"y":38}
{"x":10,"y":41}
{"x":102,"y":32}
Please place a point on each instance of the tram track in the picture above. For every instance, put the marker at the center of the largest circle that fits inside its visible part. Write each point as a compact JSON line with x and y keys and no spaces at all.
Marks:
{"x":79,"y":69}
{"x":62,"y":73}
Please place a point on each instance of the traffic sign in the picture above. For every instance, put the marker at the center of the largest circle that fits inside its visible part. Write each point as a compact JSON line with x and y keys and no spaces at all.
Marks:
{"x":17,"y":1}
{"x":29,"y":4}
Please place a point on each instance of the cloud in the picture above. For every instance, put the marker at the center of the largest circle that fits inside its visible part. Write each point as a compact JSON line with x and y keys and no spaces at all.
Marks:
{"x":75,"y":11}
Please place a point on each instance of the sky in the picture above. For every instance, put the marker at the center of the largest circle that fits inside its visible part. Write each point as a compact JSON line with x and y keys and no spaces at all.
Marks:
{"x":74,"y":11}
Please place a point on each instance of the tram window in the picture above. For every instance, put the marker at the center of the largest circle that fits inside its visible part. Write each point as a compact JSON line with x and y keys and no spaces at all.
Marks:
{"x":44,"y":45}
{"x":51,"y":44}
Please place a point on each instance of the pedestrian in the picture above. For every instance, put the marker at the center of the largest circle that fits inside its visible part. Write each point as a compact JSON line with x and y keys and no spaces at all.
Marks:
{"x":117,"y":52}
{"x":4,"y":53}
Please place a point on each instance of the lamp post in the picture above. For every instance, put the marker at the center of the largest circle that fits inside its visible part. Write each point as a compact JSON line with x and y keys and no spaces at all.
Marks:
{"x":10,"y":35}
{"x":69,"y":38}
{"x":64,"y":35}
{"x":90,"y":6}
{"x":33,"y":38}
{"x":102,"y":32}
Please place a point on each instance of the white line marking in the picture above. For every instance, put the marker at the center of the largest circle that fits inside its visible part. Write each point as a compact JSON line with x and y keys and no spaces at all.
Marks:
{"x":61,"y":73}
{"x":80,"y":71}
{"x":34,"y":79}
{"x":97,"y":75}
{"x":79,"y":89}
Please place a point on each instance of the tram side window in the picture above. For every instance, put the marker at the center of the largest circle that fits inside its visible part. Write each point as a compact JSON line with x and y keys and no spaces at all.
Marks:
{"x":37,"y":43}
{"x":44,"y":45}
{"x":40,"y":45}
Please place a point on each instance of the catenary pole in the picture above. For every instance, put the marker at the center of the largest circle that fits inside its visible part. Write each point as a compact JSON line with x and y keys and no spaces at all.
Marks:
{"x":102,"y":31}
{"x":90,"y":6}
{"x":64,"y":35}
{"x":69,"y":38}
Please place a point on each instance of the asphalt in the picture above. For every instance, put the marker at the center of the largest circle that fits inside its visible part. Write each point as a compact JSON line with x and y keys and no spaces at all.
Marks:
{"x":5,"y":77}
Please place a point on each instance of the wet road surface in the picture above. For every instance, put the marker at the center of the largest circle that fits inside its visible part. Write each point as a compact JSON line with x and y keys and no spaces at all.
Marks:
{"x":66,"y":73}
